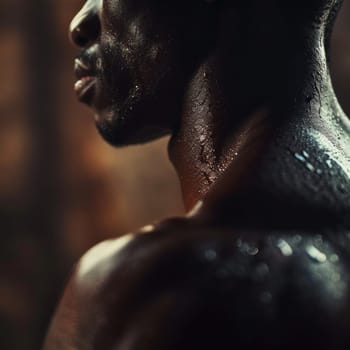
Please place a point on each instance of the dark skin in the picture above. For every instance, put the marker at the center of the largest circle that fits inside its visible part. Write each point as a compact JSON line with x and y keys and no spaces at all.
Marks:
{"x":261,"y":147}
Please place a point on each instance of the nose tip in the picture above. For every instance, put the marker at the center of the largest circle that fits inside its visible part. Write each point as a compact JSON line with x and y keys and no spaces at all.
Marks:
{"x":85,"y":27}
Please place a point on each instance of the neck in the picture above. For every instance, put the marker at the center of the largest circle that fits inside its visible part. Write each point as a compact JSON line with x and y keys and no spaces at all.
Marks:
{"x":235,"y":107}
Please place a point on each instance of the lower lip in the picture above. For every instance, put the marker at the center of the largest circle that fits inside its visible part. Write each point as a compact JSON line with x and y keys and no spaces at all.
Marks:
{"x":84,"y":88}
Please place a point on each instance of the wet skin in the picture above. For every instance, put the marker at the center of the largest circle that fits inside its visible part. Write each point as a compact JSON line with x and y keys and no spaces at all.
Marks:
{"x":262,"y":149}
{"x":137,"y":54}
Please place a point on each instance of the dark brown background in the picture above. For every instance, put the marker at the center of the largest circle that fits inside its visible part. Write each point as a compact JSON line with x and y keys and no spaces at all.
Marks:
{"x":61,"y":188}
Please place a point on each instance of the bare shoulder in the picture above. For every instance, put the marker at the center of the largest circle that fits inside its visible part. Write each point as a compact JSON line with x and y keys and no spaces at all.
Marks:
{"x":111,"y":284}
{"x":188,"y":287}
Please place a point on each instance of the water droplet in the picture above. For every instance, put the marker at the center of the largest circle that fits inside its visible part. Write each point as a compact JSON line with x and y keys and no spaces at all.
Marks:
{"x":329,"y":163}
{"x":131,"y":108}
{"x":319,"y":171}
{"x":99,"y":64}
{"x":310,"y":167}
{"x":247,"y":248}
{"x":297,"y":239}
{"x":210,"y":255}
{"x":342,"y":188}
{"x":236,"y":153}
{"x":334,"y":258}
{"x":261,"y":271}
{"x":252,"y":250}
{"x":201,"y":138}
{"x":299,"y":157}
{"x":285,"y":248}
{"x":315,"y":254}
{"x":212,"y":176}
{"x":147,"y":229}
{"x":305,"y":154}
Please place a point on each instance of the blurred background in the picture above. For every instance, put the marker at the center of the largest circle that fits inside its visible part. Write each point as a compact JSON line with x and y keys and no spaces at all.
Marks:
{"x":62,"y":189}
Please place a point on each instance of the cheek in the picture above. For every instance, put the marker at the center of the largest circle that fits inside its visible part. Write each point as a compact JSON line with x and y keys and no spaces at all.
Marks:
{"x":140,"y":55}
{"x":111,"y":14}
{"x":135,"y":34}
{"x":135,"y":62}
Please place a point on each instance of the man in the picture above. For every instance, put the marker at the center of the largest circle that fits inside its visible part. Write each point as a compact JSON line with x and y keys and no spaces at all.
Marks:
{"x":262,"y":150}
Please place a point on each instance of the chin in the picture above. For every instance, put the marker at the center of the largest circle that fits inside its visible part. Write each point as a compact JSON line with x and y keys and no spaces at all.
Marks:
{"x":119,"y":133}
{"x":132,"y":122}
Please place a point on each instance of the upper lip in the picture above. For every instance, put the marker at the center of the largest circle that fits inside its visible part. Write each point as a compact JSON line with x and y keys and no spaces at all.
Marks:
{"x":83,"y":69}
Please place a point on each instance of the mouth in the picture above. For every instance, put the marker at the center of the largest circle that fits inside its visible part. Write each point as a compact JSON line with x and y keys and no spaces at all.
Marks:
{"x":84,"y":86}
